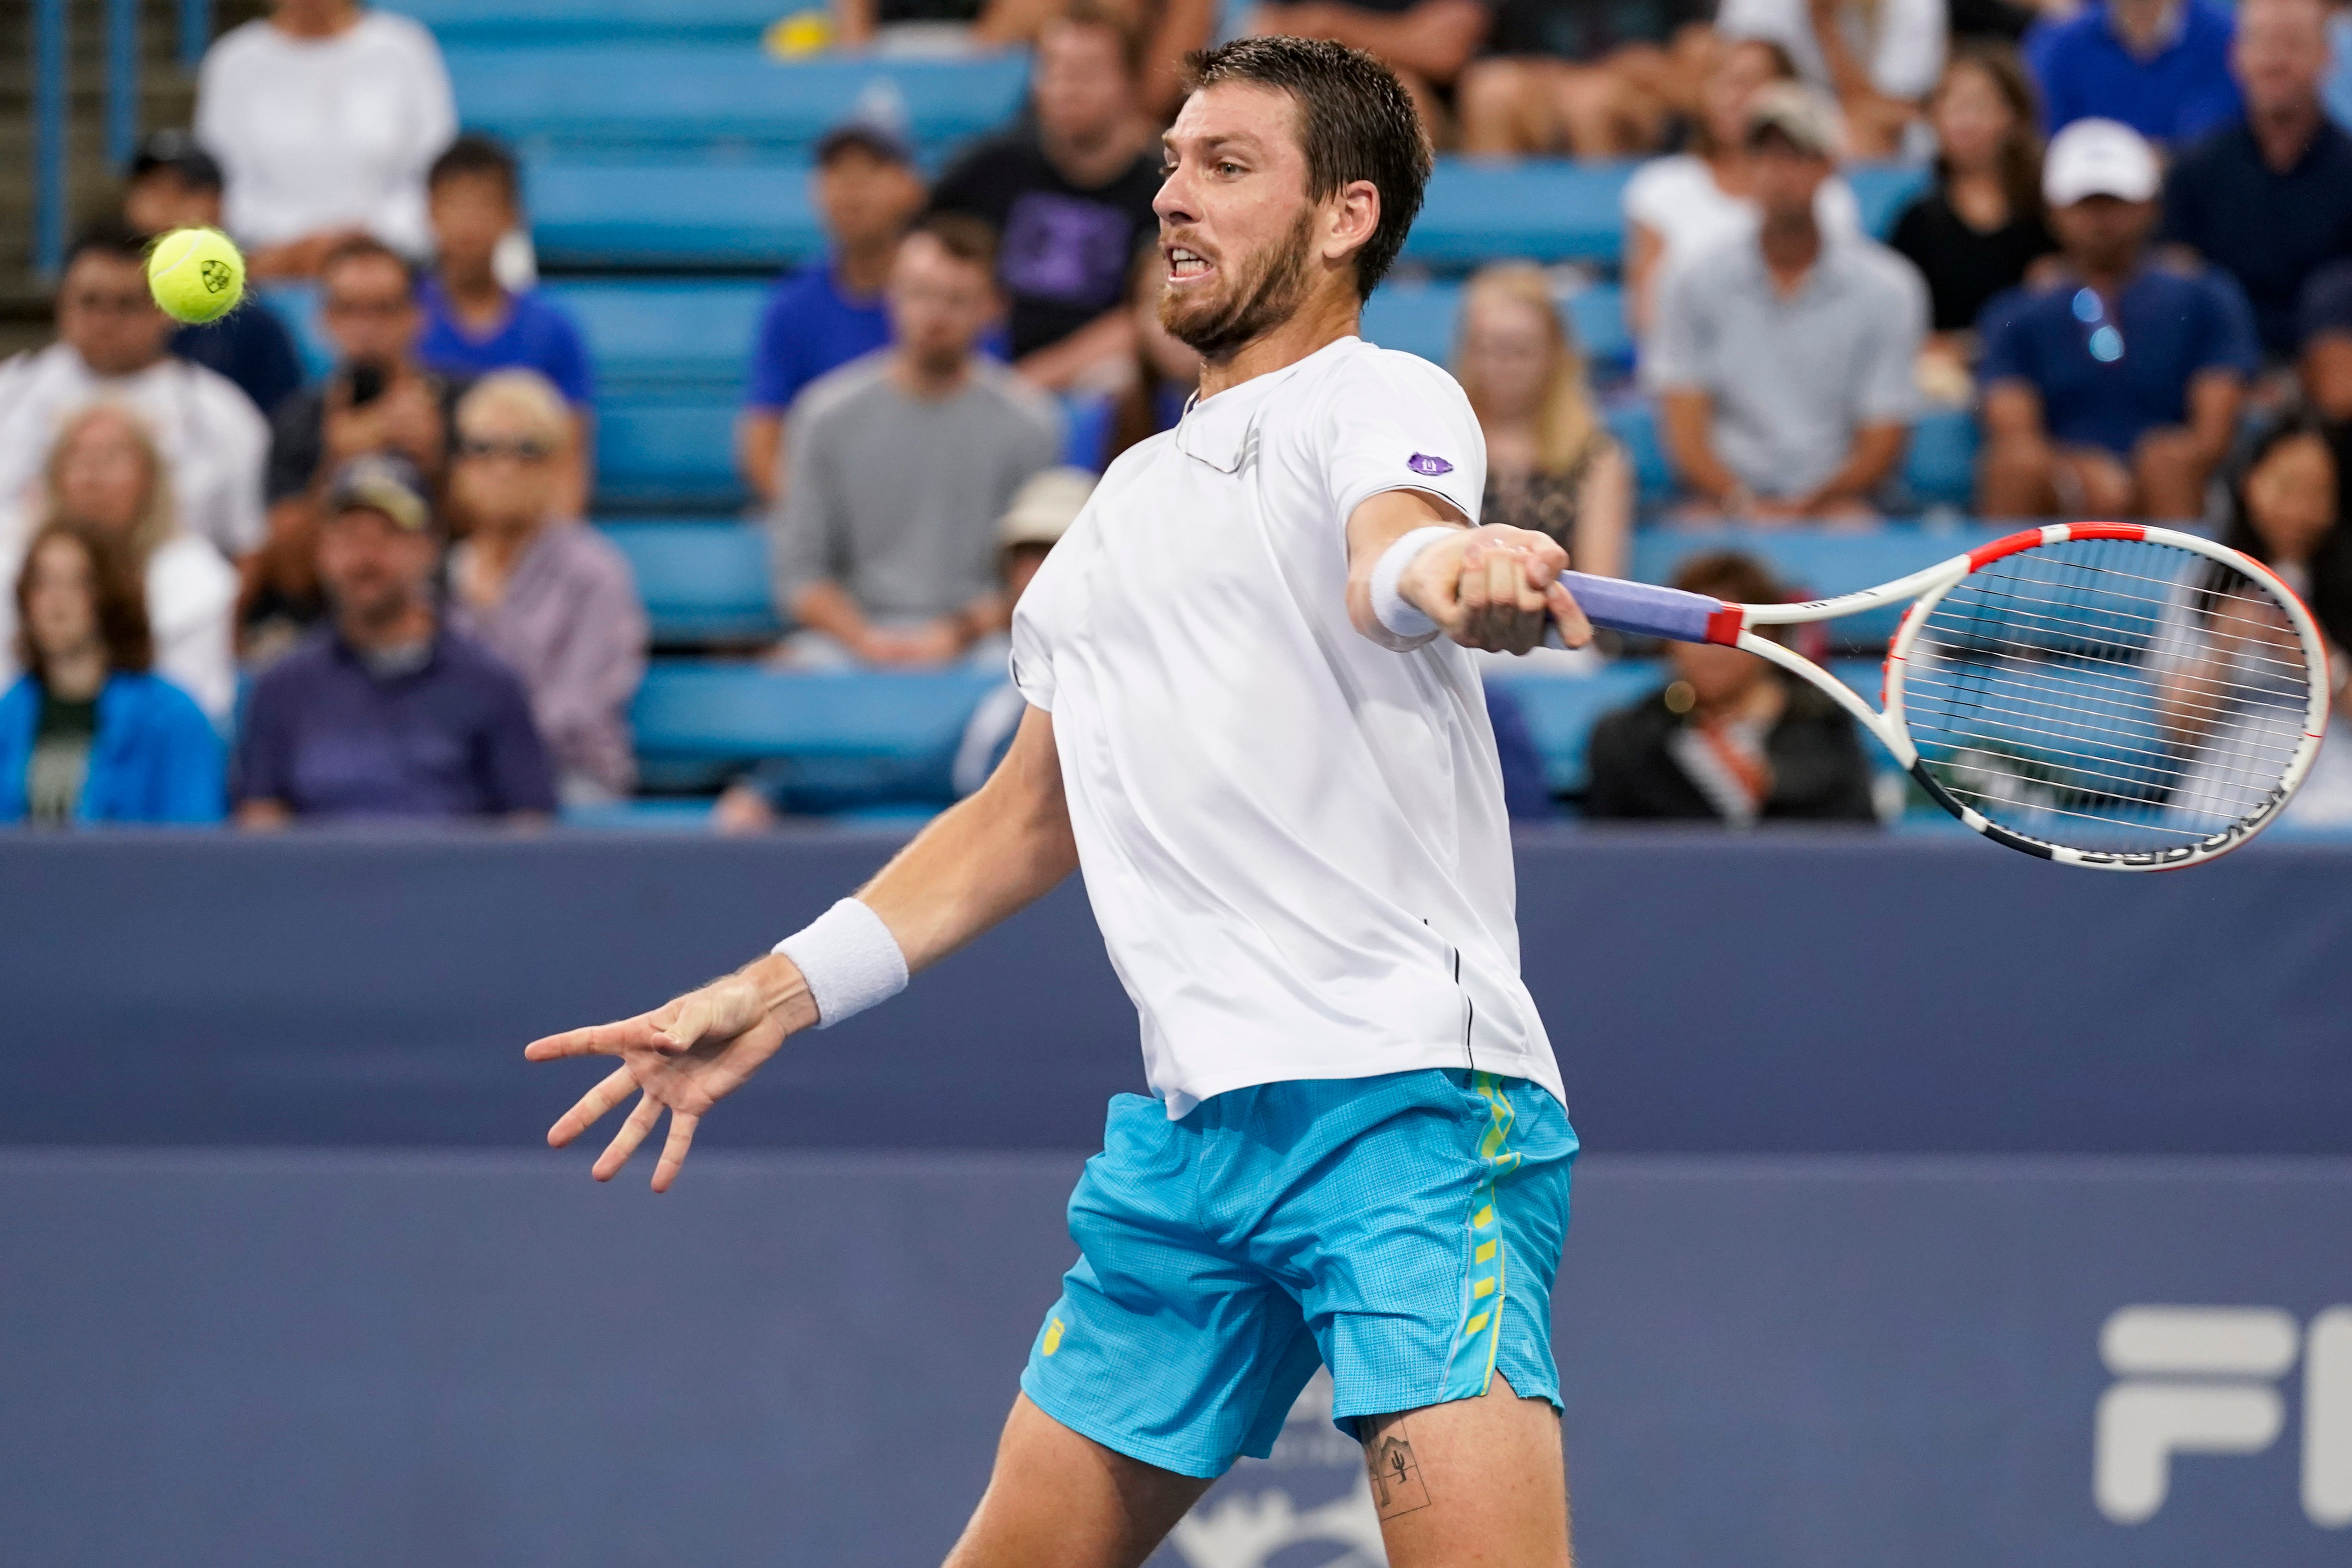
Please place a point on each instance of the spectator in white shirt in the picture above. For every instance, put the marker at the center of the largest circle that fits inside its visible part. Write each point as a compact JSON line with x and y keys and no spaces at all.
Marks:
{"x":325,"y":118}
{"x":112,"y":346}
{"x":1685,"y":203}
{"x":105,"y":475}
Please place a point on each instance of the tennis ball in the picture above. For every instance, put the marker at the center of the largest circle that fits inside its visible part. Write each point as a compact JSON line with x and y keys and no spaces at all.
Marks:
{"x":196,"y":274}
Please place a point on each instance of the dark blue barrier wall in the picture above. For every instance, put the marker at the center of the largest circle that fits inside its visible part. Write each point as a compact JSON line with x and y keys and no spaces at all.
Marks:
{"x":1756,"y":995}
{"x":255,"y":1360}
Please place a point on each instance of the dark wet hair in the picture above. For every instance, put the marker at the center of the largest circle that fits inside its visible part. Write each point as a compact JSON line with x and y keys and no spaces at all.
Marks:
{"x":1356,"y":121}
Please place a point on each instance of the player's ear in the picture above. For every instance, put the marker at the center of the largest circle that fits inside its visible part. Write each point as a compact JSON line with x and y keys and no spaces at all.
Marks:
{"x":1351,"y":214}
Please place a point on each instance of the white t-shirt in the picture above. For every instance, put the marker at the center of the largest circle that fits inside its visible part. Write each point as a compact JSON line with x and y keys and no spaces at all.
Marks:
{"x":319,"y":133}
{"x":191,"y":614}
{"x":210,"y":436}
{"x":1900,"y":44}
{"x":1676,"y":199}
{"x":1294,"y":839}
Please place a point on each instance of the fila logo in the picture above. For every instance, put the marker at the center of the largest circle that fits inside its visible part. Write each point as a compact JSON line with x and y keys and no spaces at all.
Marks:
{"x":2204,"y":1379}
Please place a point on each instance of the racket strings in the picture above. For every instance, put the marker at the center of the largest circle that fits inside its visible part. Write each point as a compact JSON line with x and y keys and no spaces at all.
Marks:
{"x":2109,"y":695}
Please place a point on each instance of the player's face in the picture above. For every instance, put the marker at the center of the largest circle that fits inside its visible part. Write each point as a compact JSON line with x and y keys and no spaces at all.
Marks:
{"x":866,"y":200}
{"x":105,"y":312}
{"x":60,"y":599}
{"x":1236,"y":229}
{"x":102,"y":474}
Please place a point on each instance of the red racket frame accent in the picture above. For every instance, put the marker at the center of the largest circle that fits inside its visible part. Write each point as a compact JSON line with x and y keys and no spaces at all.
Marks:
{"x":1726,"y":625}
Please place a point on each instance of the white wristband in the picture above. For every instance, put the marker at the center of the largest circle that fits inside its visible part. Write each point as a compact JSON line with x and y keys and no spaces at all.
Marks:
{"x":849,"y":959}
{"x":1389,"y":606}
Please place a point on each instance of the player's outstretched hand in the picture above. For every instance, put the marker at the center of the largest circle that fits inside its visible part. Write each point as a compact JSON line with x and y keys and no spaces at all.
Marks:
{"x":684,"y":1056}
{"x":1496,"y":588}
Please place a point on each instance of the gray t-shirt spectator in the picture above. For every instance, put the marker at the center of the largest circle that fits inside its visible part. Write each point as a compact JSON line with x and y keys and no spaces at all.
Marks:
{"x":1792,"y":379}
{"x":895,"y":497}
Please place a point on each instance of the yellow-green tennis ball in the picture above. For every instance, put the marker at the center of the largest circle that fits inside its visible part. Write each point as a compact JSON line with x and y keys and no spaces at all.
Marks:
{"x":196,"y":274}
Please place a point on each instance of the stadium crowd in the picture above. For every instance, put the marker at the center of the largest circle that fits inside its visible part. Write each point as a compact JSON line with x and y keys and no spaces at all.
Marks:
{"x":239,"y":592}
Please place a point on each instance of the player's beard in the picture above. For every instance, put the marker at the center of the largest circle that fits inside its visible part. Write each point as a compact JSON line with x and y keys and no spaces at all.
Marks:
{"x":1251,"y":305}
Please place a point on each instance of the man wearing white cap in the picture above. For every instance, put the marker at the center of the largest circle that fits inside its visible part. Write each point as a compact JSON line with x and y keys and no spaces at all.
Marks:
{"x":2114,"y":391}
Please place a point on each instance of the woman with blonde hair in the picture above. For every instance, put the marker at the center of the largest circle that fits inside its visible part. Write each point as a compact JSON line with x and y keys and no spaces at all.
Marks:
{"x":1551,"y":464}
{"x":548,"y":594}
{"x":106,"y":474}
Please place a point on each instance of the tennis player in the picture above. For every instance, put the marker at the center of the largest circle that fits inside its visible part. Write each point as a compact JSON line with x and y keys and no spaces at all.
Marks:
{"x":1255,"y":725}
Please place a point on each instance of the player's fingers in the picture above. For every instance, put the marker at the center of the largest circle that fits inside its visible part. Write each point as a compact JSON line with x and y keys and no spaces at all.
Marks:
{"x":688,"y":1023}
{"x":1568,"y":615}
{"x":615,"y":1088}
{"x":1532,"y":579}
{"x":624,"y":1141}
{"x":673,"y":1155}
{"x":596,"y":1039}
{"x":1470,"y":590}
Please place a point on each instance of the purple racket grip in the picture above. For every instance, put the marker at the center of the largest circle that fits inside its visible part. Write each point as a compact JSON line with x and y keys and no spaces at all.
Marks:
{"x":1646,"y":610}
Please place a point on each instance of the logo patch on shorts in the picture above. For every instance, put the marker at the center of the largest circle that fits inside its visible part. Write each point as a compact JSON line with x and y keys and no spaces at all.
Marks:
{"x":1053,"y":1336}
{"x":1423,"y":463}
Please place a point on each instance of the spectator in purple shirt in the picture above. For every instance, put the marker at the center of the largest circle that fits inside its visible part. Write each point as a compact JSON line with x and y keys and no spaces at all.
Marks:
{"x":822,"y":317}
{"x":473,"y":322}
{"x":544,"y":591}
{"x":385,"y":713}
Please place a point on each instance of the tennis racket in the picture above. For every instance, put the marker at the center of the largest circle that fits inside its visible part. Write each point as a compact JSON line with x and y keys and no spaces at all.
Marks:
{"x":2098,"y":694}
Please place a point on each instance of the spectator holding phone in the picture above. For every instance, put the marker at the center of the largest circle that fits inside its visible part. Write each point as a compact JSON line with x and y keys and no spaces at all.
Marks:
{"x":90,"y":733}
{"x":380,"y":399}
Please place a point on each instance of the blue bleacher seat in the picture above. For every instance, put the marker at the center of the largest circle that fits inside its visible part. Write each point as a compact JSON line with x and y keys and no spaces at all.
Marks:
{"x":1883,"y":190}
{"x":609,"y":213}
{"x":836,"y":738}
{"x":668,"y":448}
{"x":642,"y":95}
{"x":654,"y":332}
{"x":1635,"y":424}
{"x":1562,"y":711}
{"x":701,"y":581}
{"x":545,"y":21}
{"x":1544,"y":209}
{"x":1940,"y":469}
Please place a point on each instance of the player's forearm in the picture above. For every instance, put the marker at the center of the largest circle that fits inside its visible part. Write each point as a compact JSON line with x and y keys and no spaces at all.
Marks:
{"x":984,"y":859}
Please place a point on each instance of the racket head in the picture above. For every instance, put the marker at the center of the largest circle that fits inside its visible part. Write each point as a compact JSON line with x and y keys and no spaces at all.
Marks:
{"x":2110,"y":695}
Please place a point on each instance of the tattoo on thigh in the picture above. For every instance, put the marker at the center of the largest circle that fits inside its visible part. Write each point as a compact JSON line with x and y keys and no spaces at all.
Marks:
{"x":1397,"y":1486}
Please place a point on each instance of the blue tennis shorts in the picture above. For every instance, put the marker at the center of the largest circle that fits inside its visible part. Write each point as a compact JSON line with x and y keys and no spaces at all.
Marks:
{"x":1403,"y":1230}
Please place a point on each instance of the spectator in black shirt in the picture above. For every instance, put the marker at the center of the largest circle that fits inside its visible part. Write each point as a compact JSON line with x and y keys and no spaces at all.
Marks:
{"x":175,"y":184}
{"x":2269,"y":199}
{"x":1977,"y":229}
{"x":1730,"y":739}
{"x":1070,"y":199}
{"x":379,"y":399}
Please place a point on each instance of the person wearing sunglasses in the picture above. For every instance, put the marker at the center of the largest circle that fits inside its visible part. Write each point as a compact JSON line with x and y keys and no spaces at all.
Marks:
{"x":550,"y":594}
{"x":2113,"y":389}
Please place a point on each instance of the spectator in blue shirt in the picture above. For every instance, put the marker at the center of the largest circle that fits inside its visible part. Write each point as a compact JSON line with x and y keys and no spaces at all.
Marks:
{"x":473,"y":323}
{"x":90,"y":733}
{"x":2112,"y":391}
{"x":175,"y":184}
{"x":2269,"y":199}
{"x":2162,"y":67}
{"x":824,"y":316}
{"x":386,"y":712}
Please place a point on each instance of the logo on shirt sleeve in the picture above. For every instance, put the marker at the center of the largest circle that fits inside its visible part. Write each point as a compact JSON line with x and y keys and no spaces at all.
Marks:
{"x":1422,"y":463}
